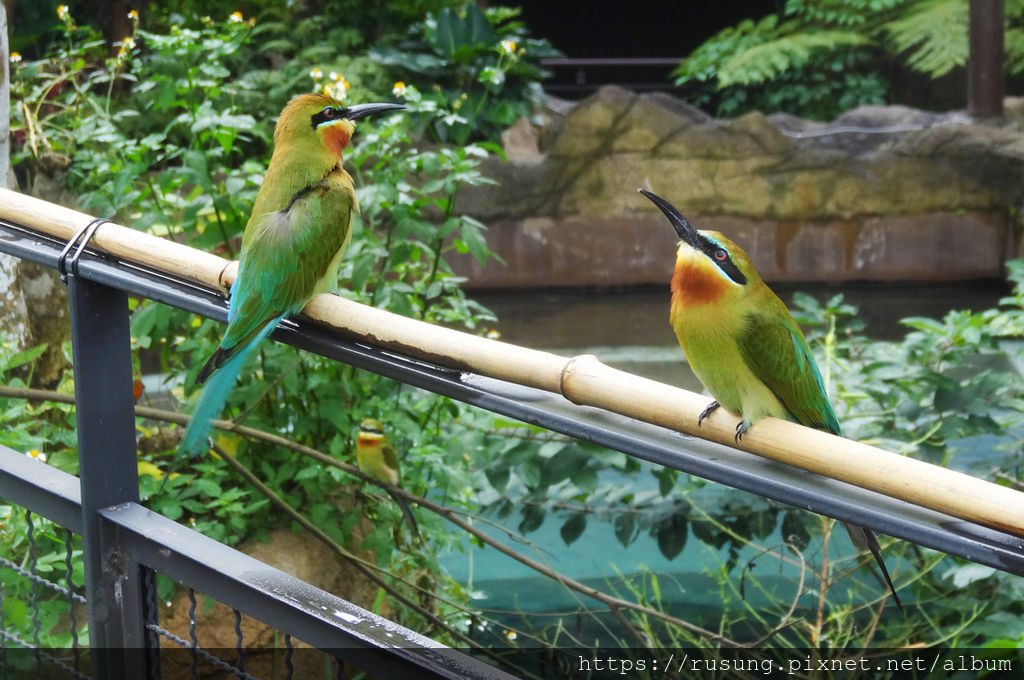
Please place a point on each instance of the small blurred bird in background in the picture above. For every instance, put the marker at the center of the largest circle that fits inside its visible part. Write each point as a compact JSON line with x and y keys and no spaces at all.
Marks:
{"x":377,"y":459}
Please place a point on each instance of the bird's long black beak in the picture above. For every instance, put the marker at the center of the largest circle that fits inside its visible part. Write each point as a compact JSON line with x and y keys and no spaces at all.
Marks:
{"x":686,"y":231}
{"x":360,"y":111}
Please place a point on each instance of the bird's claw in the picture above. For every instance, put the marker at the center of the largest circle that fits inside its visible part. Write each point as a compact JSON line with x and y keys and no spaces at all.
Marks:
{"x":706,"y":412}
{"x":741,"y":429}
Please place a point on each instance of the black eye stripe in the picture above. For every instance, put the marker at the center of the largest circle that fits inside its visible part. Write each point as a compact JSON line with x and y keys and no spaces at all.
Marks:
{"x":713,"y":250}
{"x":325,"y":115}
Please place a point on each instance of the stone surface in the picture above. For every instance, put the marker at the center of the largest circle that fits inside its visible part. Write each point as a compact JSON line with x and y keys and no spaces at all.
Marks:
{"x":833,"y":201}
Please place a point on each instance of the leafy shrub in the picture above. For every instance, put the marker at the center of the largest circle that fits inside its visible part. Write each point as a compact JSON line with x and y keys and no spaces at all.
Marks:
{"x":484,"y":70}
{"x":818,"y":58}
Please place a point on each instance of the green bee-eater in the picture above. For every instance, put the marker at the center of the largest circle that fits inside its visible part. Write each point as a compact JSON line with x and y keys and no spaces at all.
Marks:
{"x":376,"y":458}
{"x":298,"y":230}
{"x":744,"y":345}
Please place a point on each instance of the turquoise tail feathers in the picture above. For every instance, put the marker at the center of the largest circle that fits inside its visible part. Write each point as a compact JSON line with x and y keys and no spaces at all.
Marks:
{"x":215,"y":394}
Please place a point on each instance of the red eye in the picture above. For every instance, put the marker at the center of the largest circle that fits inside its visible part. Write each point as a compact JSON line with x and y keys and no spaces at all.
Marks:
{"x":329,"y":113}
{"x":721,"y":255}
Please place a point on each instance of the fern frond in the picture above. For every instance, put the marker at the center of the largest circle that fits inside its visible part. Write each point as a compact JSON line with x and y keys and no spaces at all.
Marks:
{"x":1014,"y":49}
{"x":769,"y":59}
{"x":702,"y":65}
{"x":933,"y":34}
{"x":842,"y":13}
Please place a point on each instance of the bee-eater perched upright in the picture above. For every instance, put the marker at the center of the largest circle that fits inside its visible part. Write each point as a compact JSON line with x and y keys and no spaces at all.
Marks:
{"x":375,"y":454}
{"x":744,"y":345}
{"x":376,"y":458}
{"x":298,"y":230}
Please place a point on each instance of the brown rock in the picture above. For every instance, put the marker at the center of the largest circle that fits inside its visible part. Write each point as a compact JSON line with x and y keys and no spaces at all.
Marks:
{"x":819,"y":200}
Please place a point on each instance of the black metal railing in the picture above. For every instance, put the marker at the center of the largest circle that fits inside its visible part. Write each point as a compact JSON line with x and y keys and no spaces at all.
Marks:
{"x":576,"y":77}
{"x":124,"y":545}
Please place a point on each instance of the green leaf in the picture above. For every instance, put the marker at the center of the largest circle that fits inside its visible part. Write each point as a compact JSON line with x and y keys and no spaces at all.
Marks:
{"x":445,"y":41}
{"x":480,"y":31}
{"x":530,"y":472}
{"x":310,"y":472}
{"x":573,"y":527}
{"x":533,"y":517}
{"x":498,"y":476}
{"x":794,"y":530}
{"x":666,"y":480}
{"x":625,"y":528}
{"x":208,"y":486}
{"x":585,"y":479}
{"x":671,"y":534}
{"x":23,"y":357}
{"x":561,"y":466}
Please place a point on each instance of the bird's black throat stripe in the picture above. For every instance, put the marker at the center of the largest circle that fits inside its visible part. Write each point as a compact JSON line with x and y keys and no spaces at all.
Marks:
{"x":322,"y":184}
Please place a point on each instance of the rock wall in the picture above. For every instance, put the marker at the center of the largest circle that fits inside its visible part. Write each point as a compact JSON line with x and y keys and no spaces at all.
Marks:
{"x":881,"y":193}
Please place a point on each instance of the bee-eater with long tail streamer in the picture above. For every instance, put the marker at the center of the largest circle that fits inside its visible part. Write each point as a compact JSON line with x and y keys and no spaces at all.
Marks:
{"x":744,"y":345}
{"x":300,"y":225}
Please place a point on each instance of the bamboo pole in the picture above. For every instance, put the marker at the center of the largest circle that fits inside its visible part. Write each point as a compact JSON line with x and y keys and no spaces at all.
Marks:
{"x":587,"y":380}
{"x":583,"y":380}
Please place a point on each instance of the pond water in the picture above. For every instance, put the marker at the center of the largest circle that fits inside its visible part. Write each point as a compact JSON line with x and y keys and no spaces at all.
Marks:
{"x":629,"y":330}
{"x":556,"y":319}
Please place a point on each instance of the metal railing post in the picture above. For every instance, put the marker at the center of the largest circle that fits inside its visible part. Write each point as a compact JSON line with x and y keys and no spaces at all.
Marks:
{"x":105,"y":414}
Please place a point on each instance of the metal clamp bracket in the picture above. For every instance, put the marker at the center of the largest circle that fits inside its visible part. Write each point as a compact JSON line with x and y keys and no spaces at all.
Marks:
{"x":77,"y":244}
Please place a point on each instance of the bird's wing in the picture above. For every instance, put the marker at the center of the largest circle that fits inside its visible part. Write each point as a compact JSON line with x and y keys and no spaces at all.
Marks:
{"x":287,"y":254}
{"x":777,"y":353}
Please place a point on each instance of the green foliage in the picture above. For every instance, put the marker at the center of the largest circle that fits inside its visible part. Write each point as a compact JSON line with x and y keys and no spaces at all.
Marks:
{"x":45,"y":432}
{"x":933,"y":35}
{"x":172,"y":136}
{"x":786,"y":62}
{"x":754,"y":53}
{"x":483,"y":67}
